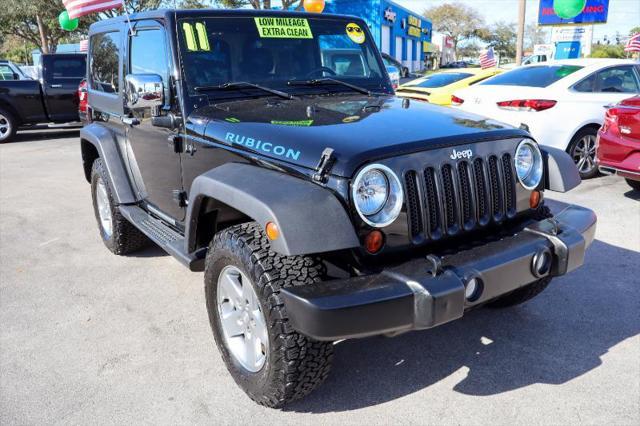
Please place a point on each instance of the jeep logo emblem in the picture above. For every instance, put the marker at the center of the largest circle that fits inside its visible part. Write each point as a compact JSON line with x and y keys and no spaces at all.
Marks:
{"x":456,"y":155}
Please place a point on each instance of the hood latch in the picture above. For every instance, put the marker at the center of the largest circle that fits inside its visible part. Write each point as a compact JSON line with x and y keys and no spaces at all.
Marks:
{"x":324,"y":166}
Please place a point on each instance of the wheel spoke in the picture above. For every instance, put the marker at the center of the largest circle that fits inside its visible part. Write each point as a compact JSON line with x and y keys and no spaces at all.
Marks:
{"x":231,"y":287}
{"x":260,"y":329}
{"x":251,"y":351}
{"x":580,"y":164}
{"x":232,"y":323}
{"x":249,"y":295}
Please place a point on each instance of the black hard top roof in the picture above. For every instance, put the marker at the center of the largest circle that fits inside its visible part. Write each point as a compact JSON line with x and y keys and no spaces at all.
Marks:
{"x":185,"y":13}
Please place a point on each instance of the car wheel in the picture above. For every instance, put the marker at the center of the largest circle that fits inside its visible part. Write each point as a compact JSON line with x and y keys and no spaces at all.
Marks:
{"x":634,"y":184}
{"x":583,"y":152}
{"x":521,"y":295}
{"x":8,"y":126}
{"x":117,"y":233}
{"x":267,"y":358}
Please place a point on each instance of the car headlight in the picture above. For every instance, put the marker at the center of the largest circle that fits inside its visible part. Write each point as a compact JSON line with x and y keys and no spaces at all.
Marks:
{"x":377,"y":195}
{"x":528,"y":162}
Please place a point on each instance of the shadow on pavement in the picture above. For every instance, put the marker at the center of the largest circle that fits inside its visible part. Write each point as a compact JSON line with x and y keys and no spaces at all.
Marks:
{"x":39,"y":134}
{"x":557,"y":337}
{"x":633,"y":194}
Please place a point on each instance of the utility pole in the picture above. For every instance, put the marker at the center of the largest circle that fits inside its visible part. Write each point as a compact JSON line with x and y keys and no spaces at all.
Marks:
{"x":522,"y":7}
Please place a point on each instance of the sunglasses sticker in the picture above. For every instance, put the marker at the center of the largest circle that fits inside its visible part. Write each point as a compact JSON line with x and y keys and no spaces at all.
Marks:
{"x":355,"y":33}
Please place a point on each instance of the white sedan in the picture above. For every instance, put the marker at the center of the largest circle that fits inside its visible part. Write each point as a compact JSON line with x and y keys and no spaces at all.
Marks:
{"x":561,"y":103}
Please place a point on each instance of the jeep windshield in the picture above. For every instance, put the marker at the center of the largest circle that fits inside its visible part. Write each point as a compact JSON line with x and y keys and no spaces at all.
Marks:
{"x":284,"y":53}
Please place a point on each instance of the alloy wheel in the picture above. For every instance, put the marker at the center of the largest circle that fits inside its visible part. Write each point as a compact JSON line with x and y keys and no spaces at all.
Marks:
{"x":584,"y":154}
{"x":243,"y":324}
{"x":104,"y":208}
{"x":5,"y":127}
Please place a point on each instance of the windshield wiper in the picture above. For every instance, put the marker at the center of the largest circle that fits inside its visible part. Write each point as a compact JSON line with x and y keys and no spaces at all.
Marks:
{"x":241,"y":84}
{"x":328,"y":80}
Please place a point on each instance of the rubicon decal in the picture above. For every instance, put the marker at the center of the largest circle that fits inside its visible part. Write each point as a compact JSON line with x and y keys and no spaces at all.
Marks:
{"x":456,"y":155}
{"x":259,"y":145}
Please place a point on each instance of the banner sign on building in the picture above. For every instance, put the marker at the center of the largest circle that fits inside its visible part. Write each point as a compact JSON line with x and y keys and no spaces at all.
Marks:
{"x":593,"y":12}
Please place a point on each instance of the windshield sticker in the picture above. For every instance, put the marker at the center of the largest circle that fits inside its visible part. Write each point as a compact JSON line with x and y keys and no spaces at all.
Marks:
{"x":351,"y":119}
{"x":258,"y":145}
{"x":355,"y":33}
{"x":283,"y":27}
{"x":299,"y":123}
{"x":196,"y":42}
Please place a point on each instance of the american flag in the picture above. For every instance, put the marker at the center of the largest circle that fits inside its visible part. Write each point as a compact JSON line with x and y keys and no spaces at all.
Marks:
{"x":633,"y":45}
{"x":487,"y":59}
{"x":78,"y":8}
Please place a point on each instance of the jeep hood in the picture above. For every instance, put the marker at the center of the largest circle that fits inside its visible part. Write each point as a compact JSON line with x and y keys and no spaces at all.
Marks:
{"x":359,"y":128}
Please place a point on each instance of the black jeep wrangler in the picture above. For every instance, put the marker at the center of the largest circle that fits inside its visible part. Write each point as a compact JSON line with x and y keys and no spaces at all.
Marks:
{"x":268,"y":150}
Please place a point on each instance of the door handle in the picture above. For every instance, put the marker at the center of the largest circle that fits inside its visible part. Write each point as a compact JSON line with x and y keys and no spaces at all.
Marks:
{"x":56,"y":86}
{"x":131,"y":121}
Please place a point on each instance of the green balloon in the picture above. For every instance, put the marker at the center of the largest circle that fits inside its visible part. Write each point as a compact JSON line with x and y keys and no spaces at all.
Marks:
{"x":67,"y":23}
{"x":567,"y":9}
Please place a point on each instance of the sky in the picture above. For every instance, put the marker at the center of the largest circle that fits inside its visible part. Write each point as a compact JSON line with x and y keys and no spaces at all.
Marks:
{"x":623,"y":14}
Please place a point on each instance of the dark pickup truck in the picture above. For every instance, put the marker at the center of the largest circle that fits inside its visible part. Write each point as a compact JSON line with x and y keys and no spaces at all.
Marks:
{"x":51,"y":99}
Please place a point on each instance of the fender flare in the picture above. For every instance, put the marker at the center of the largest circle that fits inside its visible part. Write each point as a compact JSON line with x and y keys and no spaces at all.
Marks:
{"x":561,"y":172}
{"x":310,"y":218}
{"x":104,"y":142}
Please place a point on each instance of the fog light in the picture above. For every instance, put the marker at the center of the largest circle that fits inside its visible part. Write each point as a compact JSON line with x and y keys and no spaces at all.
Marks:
{"x":541,"y":263}
{"x":374,"y":241}
{"x":472,"y":289}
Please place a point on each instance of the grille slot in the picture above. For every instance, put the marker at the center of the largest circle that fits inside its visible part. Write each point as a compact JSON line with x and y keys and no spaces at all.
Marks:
{"x":413,"y":204}
{"x":466,"y":199}
{"x":465,"y":195}
{"x":431,"y":201}
{"x":509,"y":185}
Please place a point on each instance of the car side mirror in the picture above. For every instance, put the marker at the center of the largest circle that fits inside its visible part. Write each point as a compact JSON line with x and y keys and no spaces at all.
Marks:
{"x":144,"y":91}
{"x":16,"y":76}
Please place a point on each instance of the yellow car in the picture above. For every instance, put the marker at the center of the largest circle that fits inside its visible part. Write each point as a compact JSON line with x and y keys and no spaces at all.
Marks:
{"x":437,"y":88}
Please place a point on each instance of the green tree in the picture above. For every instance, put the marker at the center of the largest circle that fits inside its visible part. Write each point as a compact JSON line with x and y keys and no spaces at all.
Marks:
{"x":458,"y":21}
{"x":534,"y":34}
{"x":259,"y":4}
{"x":502,"y":36}
{"x":607,"y":51}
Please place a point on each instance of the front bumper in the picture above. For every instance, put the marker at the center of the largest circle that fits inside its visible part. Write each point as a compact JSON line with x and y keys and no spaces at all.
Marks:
{"x":418,"y":294}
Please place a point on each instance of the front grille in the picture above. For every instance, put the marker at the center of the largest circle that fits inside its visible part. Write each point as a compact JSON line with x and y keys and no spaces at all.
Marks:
{"x":460,"y":196}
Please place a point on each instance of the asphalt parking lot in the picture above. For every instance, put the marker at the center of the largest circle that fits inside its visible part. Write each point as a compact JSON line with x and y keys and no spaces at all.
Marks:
{"x":88,"y":337}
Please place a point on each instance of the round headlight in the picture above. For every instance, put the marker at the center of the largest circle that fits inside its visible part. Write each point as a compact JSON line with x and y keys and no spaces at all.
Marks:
{"x":528,"y":162}
{"x":377,"y":195}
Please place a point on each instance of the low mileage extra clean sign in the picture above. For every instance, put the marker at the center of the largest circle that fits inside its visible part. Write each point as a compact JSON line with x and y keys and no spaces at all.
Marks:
{"x":283,"y":27}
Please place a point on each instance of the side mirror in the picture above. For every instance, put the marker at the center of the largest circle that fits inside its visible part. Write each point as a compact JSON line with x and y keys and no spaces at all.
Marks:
{"x":16,"y":76}
{"x":143,"y":91}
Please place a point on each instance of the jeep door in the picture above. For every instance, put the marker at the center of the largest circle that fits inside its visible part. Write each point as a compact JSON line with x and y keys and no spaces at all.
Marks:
{"x":154,"y":164}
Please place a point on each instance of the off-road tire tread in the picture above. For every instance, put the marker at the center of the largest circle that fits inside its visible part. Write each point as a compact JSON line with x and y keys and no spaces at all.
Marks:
{"x":521,"y":295}
{"x":302,"y":363}
{"x":126,"y":238}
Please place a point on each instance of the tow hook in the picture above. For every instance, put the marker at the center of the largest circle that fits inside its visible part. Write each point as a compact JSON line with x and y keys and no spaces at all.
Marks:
{"x":435,"y":265}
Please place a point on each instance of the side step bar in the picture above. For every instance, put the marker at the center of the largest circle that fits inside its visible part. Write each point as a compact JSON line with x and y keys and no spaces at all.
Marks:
{"x":166,"y":237}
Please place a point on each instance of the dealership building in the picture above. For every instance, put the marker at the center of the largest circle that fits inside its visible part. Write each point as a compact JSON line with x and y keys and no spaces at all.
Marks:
{"x":397,"y":31}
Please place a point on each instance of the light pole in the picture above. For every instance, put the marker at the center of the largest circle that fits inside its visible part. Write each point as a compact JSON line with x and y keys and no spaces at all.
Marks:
{"x":522,"y":7}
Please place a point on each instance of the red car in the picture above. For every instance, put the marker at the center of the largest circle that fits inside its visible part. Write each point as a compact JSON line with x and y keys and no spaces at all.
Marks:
{"x":618,"y":147}
{"x":82,"y":100}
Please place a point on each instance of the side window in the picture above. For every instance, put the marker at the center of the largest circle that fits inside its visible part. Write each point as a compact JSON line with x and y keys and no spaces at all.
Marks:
{"x":586,"y":85}
{"x":6,"y":73}
{"x":148,"y":54}
{"x":104,"y":65}
{"x":68,"y":68}
{"x":617,"y":80}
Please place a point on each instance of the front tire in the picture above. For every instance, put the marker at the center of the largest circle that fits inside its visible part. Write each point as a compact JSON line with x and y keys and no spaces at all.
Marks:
{"x":243,"y":278}
{"x":8,"y":126}
{"x":582,"y":150}
{"x":521,"y":295}
{"x":118,"y":234}
{"x":634,"y":184}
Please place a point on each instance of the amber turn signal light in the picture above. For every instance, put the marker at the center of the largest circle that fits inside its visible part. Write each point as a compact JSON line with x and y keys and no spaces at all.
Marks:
{"x":534,"y":199}
{"x":374,"y":241}
{"x":272,"y":231}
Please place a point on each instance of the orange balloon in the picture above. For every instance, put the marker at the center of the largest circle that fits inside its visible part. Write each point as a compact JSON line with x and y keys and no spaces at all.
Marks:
{"x":314,"y":6}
